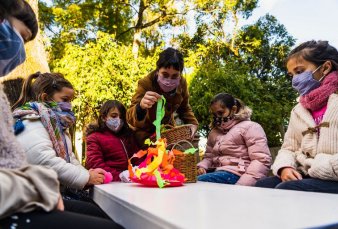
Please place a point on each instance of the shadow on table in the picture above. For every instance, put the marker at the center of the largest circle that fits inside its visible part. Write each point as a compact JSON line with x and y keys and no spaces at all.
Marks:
{"x":330,"y":226}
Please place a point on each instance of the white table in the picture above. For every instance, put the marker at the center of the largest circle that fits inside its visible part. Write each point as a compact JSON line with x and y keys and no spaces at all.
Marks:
{"x":209,"y":205}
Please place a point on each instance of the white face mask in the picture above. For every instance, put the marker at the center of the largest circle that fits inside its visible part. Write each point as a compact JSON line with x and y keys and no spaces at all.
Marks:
{"x":114,"y":124}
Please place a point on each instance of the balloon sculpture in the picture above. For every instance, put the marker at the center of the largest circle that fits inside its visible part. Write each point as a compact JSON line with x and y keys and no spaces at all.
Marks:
{"x":157,"y":169}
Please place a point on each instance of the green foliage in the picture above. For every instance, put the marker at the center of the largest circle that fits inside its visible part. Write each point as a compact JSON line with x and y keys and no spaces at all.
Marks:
{"x":91,"y":43}
{"x":268,"y":110}
{"x":257,"y":75}
{"x":101,"y":70}
{"x":263,"y":46}
{"x":77,"y":22}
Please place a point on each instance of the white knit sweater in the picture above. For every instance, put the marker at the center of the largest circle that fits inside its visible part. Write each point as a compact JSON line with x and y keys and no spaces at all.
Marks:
{"x":304,"y":150}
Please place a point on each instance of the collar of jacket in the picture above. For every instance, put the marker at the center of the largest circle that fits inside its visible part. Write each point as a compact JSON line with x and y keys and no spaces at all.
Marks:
{"x":305,"y":114}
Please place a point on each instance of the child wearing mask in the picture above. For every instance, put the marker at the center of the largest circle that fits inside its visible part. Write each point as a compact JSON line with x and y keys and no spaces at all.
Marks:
{"x":110,"y":141}
{"x":168,"y":81}
{"x":237,"y":148}
{"x":308,"y":159}
{"x":43,"y":116}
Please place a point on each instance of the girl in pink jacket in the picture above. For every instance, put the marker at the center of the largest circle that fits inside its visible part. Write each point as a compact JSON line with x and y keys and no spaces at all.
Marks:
{"x":237,"y":148}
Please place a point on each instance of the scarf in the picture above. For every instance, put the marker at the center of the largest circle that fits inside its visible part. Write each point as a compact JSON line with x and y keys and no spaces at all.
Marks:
{"x":318,"y":97}
{"x":53,"y":119}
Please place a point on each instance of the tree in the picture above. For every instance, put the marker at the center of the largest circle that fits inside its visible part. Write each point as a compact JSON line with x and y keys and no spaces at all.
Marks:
{"x":127,"y":21}
{"x":257,"y":75}
{"x":215,"y":18}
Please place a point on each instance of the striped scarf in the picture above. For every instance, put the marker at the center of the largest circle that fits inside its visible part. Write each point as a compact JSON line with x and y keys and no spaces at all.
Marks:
{"x":53,"y":119}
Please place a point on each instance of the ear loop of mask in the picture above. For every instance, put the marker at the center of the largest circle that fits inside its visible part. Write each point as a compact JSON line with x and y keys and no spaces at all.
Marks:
{"x":317,"y":70}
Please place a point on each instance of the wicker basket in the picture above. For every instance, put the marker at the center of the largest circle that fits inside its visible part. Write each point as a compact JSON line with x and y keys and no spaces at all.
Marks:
{"x":177,"y":133}
{"x":186,"y":163}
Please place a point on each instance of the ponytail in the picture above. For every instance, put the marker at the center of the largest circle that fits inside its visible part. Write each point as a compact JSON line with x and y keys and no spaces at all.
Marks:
{"x":239,"y":104}
{"x":38,"y":83}
{"x":228,"y":101}
{"x":26,"y":91}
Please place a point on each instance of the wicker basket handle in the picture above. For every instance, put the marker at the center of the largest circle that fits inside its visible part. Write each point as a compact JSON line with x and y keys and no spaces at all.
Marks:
{"x":178,"y":144}
{"x":168,"y":126}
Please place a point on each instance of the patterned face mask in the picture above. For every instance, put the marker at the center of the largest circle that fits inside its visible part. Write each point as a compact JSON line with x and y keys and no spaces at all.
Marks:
{"x":114,"y":124}
{"x":12,"y":51}
{"x":219,"y":120}
{"x":168,"y":84}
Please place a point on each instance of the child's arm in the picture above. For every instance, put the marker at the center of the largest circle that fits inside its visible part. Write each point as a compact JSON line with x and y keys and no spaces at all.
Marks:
{"x":136,"y":116}
{"x":27,"y":189}
{"x":324,"y":166}
{"x":39,"y":150}
{"x":259,"y":154}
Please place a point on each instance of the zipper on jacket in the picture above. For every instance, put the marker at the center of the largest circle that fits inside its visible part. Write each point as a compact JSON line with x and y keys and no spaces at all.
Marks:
{"x":125,"y":150}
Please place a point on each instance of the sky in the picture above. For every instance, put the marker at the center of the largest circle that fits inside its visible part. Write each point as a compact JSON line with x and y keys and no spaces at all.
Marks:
{"x":304,"y":19}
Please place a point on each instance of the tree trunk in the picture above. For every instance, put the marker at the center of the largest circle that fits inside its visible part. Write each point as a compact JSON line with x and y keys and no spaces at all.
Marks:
{"x":36,"y":57}
{"x":136,"y":41}
{"x":138,"y":28}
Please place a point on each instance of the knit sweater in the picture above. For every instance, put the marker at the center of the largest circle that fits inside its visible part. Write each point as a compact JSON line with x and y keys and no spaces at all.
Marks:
{"x":11,"y":153}
{"x":303,"y":149}
{"x":23,"y":188}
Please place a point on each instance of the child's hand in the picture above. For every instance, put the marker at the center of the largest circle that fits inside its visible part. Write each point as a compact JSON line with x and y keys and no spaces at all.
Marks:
{"x":60,"y":206}
{"x":193,"y":130}
{"x":96,"y":176}
{"x":289,"y":174}
{"x":201,"y":171}
{"x":149,"y":99}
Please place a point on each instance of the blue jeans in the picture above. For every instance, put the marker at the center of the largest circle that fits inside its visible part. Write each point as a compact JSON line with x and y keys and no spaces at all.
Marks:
{"x":307,"y":184}
{"x":222,"y":177}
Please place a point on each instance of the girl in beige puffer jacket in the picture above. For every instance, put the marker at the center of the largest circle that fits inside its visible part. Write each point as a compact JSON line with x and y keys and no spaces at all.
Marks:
{"x":308,"y":159}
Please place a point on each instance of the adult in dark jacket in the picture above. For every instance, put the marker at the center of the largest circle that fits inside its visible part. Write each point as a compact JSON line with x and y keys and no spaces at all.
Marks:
{"x":166,"y":80}
{"x":110,"y":141}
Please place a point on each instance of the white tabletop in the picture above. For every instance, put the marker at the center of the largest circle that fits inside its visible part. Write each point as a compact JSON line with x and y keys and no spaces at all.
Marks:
{"x":209,"y":205}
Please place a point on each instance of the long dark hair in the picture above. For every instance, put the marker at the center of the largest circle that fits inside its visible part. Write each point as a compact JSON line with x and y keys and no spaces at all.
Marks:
{"x":38,"y":83}
{"x":316,"y":52}
{"x":99,"y":125}
{"x":22,"y":11}
{"x":170,"y":57}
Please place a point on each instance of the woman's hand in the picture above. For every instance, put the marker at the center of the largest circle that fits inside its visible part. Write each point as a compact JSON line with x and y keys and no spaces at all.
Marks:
{"x":193,"y":129}
{"x":289,"y":174}
{"x":149,"y":99}
{"x":96,"y":176}
{"x":201,"y":171}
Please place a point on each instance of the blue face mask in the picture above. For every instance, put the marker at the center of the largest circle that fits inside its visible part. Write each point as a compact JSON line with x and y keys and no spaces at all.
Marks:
{"x":12,"y":51}
{"x":304,"y":82}
{"x":65,"y":106}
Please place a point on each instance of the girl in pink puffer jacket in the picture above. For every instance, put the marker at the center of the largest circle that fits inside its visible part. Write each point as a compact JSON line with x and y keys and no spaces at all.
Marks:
{"x":237,"y":148}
